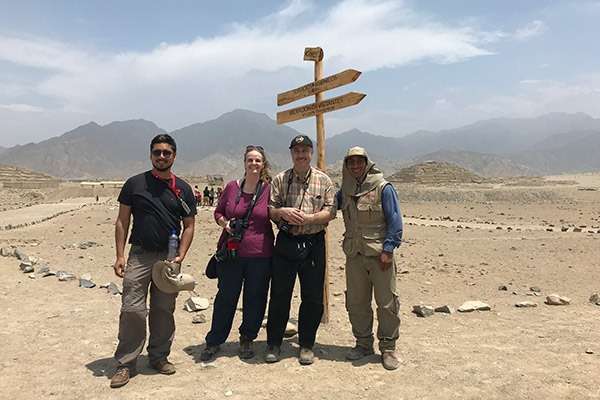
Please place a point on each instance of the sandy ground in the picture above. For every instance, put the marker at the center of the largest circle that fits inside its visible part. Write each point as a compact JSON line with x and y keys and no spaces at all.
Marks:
{"x":57,"y":339}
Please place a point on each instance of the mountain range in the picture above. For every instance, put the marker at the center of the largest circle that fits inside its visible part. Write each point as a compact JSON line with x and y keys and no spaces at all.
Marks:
{"x":549,"y":144}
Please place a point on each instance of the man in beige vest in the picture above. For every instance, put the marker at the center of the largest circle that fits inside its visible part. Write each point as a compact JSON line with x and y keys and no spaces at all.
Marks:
{"x":373,"y":224}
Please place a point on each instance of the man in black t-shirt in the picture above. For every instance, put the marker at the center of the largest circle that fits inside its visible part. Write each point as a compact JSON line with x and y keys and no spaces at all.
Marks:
{"x":159,"y":203}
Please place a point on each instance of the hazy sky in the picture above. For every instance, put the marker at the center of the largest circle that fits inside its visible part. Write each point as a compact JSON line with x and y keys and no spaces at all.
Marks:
{"x":426,"y":64}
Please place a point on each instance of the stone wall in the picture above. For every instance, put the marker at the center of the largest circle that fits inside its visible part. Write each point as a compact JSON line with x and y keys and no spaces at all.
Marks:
{"x":17,"y":178}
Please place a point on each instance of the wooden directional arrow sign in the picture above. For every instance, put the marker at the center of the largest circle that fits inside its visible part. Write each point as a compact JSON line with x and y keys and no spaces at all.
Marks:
{"x":309,"y":110}
{"x":330,"y":82}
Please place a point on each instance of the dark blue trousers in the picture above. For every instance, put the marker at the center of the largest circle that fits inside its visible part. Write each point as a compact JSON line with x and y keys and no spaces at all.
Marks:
{"x":254,"y":275}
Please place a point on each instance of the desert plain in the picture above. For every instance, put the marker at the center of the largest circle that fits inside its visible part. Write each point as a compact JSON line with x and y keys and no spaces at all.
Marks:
{"x":488,"y":242}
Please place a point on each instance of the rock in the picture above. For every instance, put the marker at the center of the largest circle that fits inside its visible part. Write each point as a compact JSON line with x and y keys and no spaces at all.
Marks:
{"x":199,"y":319}
{"x":526,"y":304}
{"x":423,"y":311}
{"x":502,"y":287}
{"x":196,"y":303}
{"x":595,"y":299}
{"x":535,"y":289}
{"x":589,"y":351}
{"x":228,"y":393}
{"x":21,"y":255}
{"x":31,"y":276}
{"x":207,"y":366}
{"x":113,"y":289}
{"x":26,"y":267}
{"x":474,"y":305}
{"x":7,"y":252}
{"x":87,"y":244}
{"x":44,"y":271}
{"x":86,"y":283}
{"x":64,"y":276}
{"x":557,"y":300}
{"x":290,"y":330}
{"x":337,"y":294}
{"x":446,"y":309}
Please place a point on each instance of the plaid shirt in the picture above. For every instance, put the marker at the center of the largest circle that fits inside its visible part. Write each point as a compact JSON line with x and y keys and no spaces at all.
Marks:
{"x":310,"y":194}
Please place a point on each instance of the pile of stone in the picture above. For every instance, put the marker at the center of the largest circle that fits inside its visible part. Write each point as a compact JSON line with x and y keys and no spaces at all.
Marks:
{"x":435,"y":173}
{"x":19,"y":178}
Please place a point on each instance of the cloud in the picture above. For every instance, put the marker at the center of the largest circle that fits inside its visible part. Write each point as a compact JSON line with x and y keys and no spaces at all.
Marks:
{"x":534,"y":28}
{"x":21,"y":108}
{"x":530,"y":81}
{"x":354,"y":33}
{"x":537,"y":97}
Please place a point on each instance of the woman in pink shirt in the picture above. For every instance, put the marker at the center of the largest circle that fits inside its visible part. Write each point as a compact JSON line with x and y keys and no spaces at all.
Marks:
{"x":247,"y":251}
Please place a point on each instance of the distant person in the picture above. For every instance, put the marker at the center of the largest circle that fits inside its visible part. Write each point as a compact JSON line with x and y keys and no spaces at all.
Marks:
{"x":198,"y":195}
{"x":302,"y":204}
{"x":373,"y":224}
{"x":159,"y":202}
{"x":206,"y":193}
{"x":219,"y":193}
{"x":212,"y":196}
{"x":243,"y":214}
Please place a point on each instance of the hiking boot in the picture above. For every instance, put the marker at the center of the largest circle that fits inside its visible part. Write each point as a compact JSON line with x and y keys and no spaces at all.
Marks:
{"x":163,"y":367}
{"x":307,"y":356}
{"x":209,"y":352}
{"x":358,"y":352}
{"x":273,"y":353}
{"x":246,"y":348}
{"x":390,"y":360}
{"x":120,"y":378}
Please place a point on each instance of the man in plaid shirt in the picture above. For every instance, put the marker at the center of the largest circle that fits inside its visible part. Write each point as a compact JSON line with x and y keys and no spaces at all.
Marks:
{"x":302,"y":204}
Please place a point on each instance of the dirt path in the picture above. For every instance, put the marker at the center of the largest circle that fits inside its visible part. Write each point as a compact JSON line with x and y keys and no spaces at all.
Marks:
{"x":21,"y":217}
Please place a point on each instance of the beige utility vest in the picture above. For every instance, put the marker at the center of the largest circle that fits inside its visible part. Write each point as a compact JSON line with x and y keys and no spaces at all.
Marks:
{"x":365,"y":222}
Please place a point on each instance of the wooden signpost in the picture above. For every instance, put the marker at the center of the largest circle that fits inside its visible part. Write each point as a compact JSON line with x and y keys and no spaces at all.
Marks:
{"x":317,"y":109}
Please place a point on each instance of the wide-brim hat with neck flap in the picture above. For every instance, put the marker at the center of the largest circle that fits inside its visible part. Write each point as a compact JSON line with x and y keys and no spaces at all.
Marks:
{"x":167,"y":277}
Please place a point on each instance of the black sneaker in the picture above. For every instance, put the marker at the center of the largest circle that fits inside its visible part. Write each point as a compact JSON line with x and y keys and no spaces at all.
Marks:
{"x":273,"y":353}
{"x":246,"y":348}
{"x":306,"y":357}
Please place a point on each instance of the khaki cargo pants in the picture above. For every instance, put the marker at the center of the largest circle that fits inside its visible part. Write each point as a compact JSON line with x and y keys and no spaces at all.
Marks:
{"x":363,"y":277}
{"x":132,"y":322}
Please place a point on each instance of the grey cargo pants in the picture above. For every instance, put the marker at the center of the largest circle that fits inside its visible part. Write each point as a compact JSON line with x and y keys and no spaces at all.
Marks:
{"x":132,"y":321}
{"x":363,"y":277}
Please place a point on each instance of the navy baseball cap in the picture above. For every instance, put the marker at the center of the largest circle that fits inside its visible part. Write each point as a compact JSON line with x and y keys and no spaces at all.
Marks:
{"x":301,"y":140}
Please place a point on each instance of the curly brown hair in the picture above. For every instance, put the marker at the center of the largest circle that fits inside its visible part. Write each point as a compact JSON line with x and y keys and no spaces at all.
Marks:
{"x":265,"y":174}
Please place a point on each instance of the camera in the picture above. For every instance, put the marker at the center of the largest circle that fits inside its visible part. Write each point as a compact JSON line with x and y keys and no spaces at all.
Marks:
{"x":237,"y":227}
{"x":284,"y":226}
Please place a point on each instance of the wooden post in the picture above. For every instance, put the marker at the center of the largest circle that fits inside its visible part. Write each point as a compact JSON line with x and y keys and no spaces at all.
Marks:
{"x":317,"y":109}
{"x":316,"y":55}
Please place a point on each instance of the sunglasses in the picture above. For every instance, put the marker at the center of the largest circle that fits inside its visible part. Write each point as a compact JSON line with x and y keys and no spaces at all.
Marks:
{"x":164,"y":153}
{"x":253,"y":147}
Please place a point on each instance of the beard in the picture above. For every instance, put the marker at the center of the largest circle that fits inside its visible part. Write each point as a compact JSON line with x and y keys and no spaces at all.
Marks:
{"x":162,"y":167}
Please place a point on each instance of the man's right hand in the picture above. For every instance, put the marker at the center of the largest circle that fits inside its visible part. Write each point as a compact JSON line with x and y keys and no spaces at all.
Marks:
{"x":119,"y":267}
{"x":292,"y":215}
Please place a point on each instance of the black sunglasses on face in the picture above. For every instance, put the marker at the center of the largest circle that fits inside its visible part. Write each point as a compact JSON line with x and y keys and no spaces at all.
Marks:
{"x":164,"y":153}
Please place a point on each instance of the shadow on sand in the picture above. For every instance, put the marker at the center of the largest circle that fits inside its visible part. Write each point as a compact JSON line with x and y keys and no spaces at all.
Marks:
{"x":289,"y":349}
